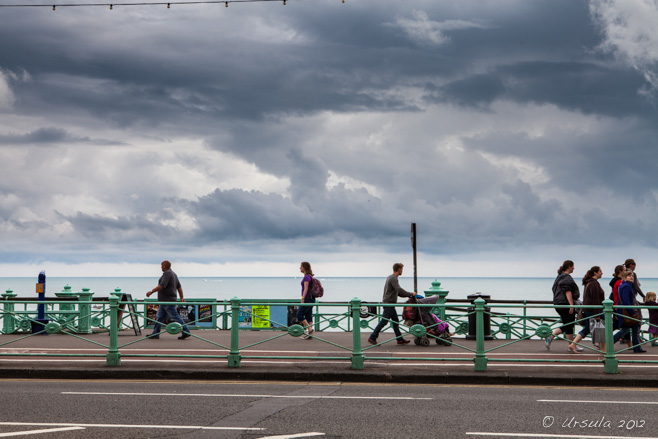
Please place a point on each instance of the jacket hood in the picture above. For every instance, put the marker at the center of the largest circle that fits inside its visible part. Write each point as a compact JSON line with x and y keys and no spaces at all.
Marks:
{"x":591,"y":279}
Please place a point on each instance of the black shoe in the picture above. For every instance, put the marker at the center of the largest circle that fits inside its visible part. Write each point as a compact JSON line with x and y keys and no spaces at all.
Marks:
{"x":184,"y":336}
{"x":371,"y":341}
{"x":403,"y":341}
{"x":641,"y":351}
{"x":155,"y":336}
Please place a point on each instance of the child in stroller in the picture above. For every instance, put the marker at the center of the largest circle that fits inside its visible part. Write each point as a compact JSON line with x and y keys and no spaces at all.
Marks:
{"x":436,"y":328}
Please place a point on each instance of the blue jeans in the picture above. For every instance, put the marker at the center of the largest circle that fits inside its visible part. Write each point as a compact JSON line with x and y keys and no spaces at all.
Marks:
{"x":586,"y":330}
{"x":171,"y":312}
{"x":635,"y":337}
{"x":306,"y":312}
{"x":389,"y":313}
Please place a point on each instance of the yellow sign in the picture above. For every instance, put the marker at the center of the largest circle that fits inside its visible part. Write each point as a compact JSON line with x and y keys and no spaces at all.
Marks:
{"x":40,"y":288}
{"x":261,"y":314}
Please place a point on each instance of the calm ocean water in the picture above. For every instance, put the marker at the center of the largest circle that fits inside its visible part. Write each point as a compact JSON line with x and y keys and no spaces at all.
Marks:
{"x":338,"y":289}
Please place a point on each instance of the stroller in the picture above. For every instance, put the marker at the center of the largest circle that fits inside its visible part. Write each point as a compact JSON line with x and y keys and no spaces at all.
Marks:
{"x":436,"y":328}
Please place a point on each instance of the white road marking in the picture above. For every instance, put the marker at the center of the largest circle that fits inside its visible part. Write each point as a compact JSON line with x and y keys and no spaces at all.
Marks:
{"x":576,"y":436}
{"x":29,"y":432}
{"x":218,"y":395}
{"x":596,"y":402}
{"x":292,"y":436}
{"x":175,"y":427}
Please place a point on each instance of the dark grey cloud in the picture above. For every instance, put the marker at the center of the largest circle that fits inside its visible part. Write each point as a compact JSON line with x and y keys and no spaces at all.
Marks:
{"x":491,"y":125}
{"x":50,"y":136}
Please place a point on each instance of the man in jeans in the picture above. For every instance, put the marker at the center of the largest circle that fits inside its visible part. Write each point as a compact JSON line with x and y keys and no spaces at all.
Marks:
{"x":167,"y":287}
{"x":392,"y":290}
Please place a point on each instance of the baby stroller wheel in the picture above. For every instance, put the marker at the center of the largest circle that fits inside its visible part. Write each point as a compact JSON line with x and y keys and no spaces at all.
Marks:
{"x":417,"y":341}
{"x":425,"y":341}
{"x":444,"y":341}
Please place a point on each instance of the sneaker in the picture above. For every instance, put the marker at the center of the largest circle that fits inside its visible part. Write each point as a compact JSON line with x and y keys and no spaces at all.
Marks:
{"x":403,"y":341}
{"x":184,"y":335}
{"x":547,"y":341}
{"x":578,"y":348}
{"x":372,"y":341}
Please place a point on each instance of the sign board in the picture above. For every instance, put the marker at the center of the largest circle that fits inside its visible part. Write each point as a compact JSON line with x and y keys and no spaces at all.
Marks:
{"x":195,"y":316}
{"x":133,"y":314}
{"x":263,"y":316}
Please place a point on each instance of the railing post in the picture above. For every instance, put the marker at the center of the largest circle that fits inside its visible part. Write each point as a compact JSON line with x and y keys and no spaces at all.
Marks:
{"x":113,"y":356}
{"x":480,"y":357}
{"x":8,"y":319}
{"x":525,"y":319}
{"x":84,"y":320}
{"x":610,"y":362}
{"x":234,"y":353}
{"x":357,"y":353}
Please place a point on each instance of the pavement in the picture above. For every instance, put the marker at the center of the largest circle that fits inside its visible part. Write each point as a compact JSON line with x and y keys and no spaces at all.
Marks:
{"x":265,"y":356}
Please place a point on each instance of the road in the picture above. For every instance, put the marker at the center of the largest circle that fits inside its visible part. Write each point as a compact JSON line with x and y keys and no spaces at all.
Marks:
{"x":250,"y":410}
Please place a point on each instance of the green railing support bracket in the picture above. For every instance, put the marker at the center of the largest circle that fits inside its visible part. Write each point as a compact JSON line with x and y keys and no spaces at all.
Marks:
{"x":234,"y":353}
{"x":480,"y":357}
{"x":84,"y":321}
{"x":357,"y":353}
{"x":113,"y":357}
{"x":610,"y":362}
{"x":8,"y":319}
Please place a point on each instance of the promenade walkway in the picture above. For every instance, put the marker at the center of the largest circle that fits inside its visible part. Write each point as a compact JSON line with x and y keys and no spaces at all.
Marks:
{"x":387,"y":363}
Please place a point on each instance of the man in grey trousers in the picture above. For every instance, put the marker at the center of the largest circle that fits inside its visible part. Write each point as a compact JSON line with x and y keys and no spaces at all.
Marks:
{"x":392,"y":290}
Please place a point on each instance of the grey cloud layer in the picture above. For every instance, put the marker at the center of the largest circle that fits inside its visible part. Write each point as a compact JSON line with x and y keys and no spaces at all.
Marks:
{"x":421,"y":102}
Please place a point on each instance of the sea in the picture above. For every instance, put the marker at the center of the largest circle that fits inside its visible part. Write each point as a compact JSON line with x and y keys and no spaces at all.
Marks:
{"x":337,"y":289}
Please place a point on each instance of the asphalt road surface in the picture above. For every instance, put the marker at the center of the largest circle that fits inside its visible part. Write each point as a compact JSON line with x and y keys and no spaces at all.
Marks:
{"x":249,"y":410}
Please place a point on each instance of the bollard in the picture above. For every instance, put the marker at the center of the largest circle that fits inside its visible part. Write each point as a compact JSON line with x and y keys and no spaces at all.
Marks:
{"x":610,"y":362}
{"x":436,"y":290}
{"x":113,"y":357}
{"x":8,"y":318}
{"x":66,"y":316}
{"x":357,"y":353}
{"x":486,"y":322}
{"x":84,"y":320}
{"x":39,"y":324}
{"x":480,"y":357}
{"x":234,"y":353}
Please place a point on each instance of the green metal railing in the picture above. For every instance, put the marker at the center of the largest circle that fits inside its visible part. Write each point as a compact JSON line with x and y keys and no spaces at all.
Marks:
{"x":78,"y":319}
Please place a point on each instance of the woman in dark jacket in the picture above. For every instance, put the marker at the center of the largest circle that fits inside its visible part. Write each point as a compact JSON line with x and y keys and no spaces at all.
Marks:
{"x":565,"y":292}
{"x":593,"y":295}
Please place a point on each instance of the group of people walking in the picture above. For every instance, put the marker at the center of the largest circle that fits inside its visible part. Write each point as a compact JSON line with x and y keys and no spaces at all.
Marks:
{"x":625,"y":289}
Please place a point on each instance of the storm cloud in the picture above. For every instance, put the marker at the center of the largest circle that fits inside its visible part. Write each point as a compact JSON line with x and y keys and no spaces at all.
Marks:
{"x":325,"y":129}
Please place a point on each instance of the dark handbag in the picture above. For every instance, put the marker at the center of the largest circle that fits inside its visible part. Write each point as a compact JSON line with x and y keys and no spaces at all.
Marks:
{"x":630,"y":319}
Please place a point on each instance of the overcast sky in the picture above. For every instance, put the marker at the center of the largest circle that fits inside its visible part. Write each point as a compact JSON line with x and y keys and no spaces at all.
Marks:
{"x":243,"y":140}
